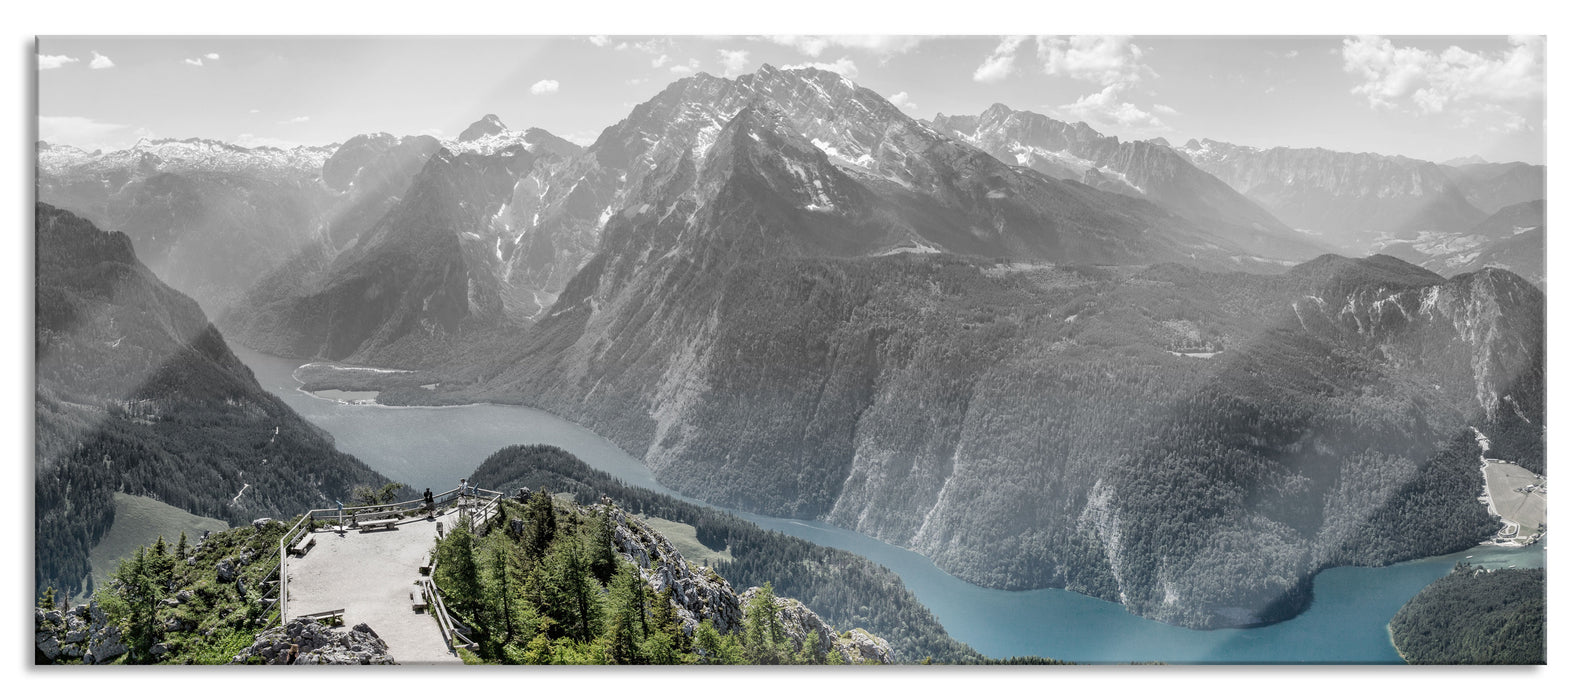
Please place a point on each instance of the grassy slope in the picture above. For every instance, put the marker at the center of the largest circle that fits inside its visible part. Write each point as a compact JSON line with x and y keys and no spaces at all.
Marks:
{"x":684,"y":538}
{"x":138,"y":522}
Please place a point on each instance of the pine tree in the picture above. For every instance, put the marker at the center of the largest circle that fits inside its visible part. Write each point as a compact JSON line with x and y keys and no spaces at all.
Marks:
{"x":715,"y":648}
{"x":456,"y":570}
{"x":570,"y":592}
{"x":833,"y":658}
{"x":181,"y":546}
{"x":808,"y":655}
{"x":502,"y":587}
{"x":601,"y":548}
{"x":626,"y":621}
{"x":137,"y":590}
{"x":764,"y":641}
{"x":540,"y":531}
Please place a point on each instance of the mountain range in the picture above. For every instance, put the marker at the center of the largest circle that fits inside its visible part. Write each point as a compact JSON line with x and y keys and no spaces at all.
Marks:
{"x":1036,"y":354}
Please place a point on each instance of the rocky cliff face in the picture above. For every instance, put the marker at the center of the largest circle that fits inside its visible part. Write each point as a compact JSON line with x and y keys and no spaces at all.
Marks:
{"x":697,"y":594}
{"x":1019,"y":423}
{"x":80,"y":634}
{"x":420,"y":250}
{"x":1141,"y":168}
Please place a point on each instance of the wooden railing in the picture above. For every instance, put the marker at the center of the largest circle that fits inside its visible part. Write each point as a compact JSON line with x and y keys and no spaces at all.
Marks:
{"x":340,"y":515}
{"x":447,"y":623}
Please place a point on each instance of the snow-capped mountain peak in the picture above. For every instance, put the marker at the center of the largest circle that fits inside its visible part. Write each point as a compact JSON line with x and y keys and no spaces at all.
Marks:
{"x":489,"y":125}
{"x":185,"y":155}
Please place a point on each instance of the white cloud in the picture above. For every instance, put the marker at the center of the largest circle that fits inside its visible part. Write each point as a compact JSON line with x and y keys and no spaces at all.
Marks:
{"x":212,"y":56}
{"x":903,"y":100}
{"x":47,"y":62}
{"x":661,"y":61}
{"x":881,"y":44}
{"x":844,"y":66}
{"x":1108,"y":107}
{"x":545,"y":87}
{"x":1166,"y":110}
{"x":1493,"y":119}
{"x":193,"y":62}
{"x":733,"y":61}
{"x":100,"y":61}
{"x":999,"y":64}
{"x":690,"y":66}
{"x":1432,"y":82}
{"x":254,"y":111}
{"x":651,"y":47}
{"x":294,"y":120}
{"x":1293,"y":53}
{"x":599,"y":40}
{"x":84,"y":132}
{"x":1105,"y":60}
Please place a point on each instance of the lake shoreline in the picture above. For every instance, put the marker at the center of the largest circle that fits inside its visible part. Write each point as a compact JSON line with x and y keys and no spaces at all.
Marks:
{"x":1050,"y":622}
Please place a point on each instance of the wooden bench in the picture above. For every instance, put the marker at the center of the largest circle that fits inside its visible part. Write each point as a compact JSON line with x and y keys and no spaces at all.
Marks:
{"x":302,"y":546}
{"x":386,"y":524}
{"x":334,"y":618}
{"x":419,"y":603}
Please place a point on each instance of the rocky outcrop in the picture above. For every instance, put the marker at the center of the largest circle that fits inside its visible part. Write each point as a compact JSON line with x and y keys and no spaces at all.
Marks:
{"x":698,"y":594}
{"x":82,"y":633}
{"x":857,"y":646}
{"x":316,"y":644}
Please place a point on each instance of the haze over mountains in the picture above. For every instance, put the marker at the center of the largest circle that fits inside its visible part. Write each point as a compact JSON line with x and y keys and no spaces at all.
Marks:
{"x":137,"y":393}
{"x":1361,"y":203}
{"x":1036,"y":354}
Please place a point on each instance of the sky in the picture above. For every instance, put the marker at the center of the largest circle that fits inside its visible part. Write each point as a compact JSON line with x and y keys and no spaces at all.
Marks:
{"x":1428,"y":97}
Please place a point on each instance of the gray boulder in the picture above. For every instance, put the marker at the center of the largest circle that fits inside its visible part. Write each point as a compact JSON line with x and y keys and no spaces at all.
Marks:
{"x":316,"y":645}
{"x":225,"y":570}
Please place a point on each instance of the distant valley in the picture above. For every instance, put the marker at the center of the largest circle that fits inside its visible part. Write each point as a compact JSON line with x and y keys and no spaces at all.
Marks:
{"x":1186,"y":379}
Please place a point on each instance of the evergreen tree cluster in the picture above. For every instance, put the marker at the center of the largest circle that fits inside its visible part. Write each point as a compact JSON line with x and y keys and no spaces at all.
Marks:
{"x":557,"y":593}
{"x":1475,"y":616}
{"x":137,"y":393}
{"x":173,"y":608}
{"x":844,"y":589}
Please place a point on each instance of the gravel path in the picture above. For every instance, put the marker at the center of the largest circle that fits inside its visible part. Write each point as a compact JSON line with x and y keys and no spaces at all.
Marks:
{"x":370,"y":575}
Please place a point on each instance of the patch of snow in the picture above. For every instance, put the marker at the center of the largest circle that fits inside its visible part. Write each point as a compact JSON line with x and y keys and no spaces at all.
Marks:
{"x":915,"y":247}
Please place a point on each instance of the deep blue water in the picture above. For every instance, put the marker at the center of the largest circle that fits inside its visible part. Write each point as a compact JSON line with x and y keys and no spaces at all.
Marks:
{"x":436,"y":447}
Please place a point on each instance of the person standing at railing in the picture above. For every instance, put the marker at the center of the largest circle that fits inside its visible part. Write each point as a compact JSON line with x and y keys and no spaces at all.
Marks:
{"x":428,"y":501}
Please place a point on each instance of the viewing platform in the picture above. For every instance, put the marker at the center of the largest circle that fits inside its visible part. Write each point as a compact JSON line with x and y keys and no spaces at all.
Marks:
{"x":370,"y":571}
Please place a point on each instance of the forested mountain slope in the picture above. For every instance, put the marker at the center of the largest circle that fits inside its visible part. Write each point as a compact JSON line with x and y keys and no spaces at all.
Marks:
{"x":1148,"y":435}
{"x":136,"y":392}
{"x":1476,"y":616}
{"x":843,"y":588}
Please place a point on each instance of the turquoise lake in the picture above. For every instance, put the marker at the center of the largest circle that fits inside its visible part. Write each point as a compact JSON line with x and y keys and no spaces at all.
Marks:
{"x":436,"y":447}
